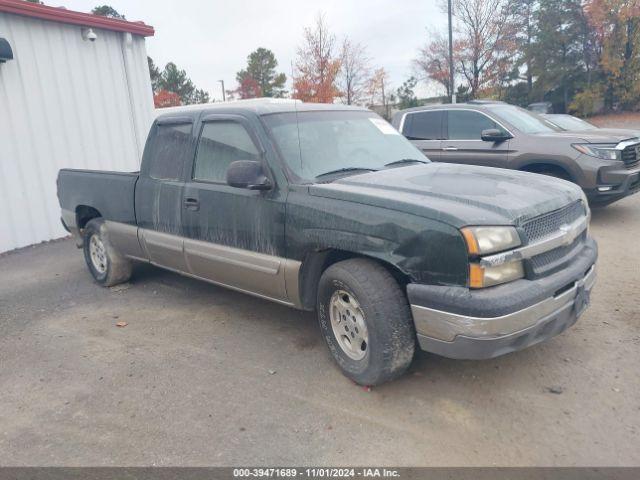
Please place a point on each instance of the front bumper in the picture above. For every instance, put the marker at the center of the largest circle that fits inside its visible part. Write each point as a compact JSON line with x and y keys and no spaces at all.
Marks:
{"x":614,"y":184}
{"x":477,"y":324}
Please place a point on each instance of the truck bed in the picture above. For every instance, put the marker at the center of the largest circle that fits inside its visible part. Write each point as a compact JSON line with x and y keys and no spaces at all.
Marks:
{"x":110,"y":193}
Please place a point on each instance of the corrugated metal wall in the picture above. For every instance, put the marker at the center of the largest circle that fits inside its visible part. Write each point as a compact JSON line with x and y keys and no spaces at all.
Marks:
{"x":64,"y":102}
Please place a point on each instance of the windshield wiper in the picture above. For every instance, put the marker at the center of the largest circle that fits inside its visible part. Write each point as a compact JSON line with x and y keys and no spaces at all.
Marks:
{"x":347,"y":169}
{"x":403,"y":161}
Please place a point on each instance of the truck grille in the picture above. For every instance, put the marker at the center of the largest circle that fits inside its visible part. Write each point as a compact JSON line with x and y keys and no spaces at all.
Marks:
{"x":631,"y":155}
{"x":548,"y":224}
{"x":546,"y":262}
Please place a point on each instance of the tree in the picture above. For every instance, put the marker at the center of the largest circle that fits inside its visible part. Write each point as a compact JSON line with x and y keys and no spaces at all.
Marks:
{"x":406,"y":95}
{"x":486,"y":42}
{"x":525,"y":20}
{"x":317,"y":65}
{"x":557,"y":56}
{"x":154,"y":73}
{"x":261,"y":67}
{"x":248,"y":88}
{"x":378,"y":92}
{"x":107,"y":11}
{"x":616,"y":25}
{"x":172,"y":79}
{"x":164,"y":99}
{"x":432,"y":63}
{"x":354,"y":72}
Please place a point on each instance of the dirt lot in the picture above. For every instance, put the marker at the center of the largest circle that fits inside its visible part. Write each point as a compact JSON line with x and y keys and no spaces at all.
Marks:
{"x":204,"y":376}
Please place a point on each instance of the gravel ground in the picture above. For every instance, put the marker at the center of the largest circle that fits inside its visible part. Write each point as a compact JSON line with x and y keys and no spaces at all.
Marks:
{"x":205,"y":376}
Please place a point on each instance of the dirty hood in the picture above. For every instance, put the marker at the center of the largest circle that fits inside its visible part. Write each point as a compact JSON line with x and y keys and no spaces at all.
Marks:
{"x":458,"y":195}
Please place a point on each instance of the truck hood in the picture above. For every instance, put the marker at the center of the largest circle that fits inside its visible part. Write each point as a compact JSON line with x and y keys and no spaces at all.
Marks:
{"x":458,"y":195}
{"x":592,"y":136}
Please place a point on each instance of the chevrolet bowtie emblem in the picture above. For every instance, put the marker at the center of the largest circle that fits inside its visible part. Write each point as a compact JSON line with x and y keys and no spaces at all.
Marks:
{"x":566,"y":237}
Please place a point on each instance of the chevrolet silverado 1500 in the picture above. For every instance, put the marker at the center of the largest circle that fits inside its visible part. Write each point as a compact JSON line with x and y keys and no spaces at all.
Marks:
{"x":328,"y":208}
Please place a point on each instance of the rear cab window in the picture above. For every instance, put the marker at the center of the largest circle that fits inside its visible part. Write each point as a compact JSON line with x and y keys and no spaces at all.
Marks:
{"x":169,"y":150}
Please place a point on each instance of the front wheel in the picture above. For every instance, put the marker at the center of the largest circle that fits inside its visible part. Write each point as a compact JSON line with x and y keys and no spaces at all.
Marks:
{"x":106,"y":265}
{"x":366,"y":321}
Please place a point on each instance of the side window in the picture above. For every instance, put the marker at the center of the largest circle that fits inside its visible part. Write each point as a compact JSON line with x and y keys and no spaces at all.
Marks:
{"x":468,"y":125}
{"x":221,"y":143}
{"x":170,"y":147}
{"x":423,"y":126}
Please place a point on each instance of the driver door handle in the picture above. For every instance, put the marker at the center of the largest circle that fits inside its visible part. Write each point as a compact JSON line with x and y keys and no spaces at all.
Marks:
{"x":192,"y":204}
{"x":450,"y":149}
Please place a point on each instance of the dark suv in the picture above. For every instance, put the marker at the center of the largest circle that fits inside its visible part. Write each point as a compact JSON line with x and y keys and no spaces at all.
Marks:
{"x":495,"y":134}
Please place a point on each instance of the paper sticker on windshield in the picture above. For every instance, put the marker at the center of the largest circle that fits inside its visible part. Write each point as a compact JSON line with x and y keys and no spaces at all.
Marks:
{"x":384,"y":127}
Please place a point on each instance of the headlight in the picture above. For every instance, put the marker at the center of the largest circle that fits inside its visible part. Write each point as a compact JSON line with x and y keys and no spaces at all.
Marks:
{"x":480,"y":277}
{"x":606,"y":151}
{"x":485,"y":240}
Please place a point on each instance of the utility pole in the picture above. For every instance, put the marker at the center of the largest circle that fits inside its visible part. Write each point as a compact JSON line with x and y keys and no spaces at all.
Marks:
{"x":224,"y":95}
{"x":451,"y":84}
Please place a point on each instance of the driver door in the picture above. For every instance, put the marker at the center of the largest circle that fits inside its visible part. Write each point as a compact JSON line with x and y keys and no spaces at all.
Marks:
{"x":233,"y":236}
{"x":463,"y":140}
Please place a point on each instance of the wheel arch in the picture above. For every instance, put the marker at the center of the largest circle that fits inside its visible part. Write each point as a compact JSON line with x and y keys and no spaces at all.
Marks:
{"x":85,"y":213}
{"x":544,"y":166}
{"x":317,"y":261}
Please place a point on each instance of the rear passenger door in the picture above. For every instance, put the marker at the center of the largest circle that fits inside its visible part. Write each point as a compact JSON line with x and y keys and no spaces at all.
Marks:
{"x":424,"y":129}
{"x":159,"y":191}
{"x":463,"y":140}
{"x":233,"y":236}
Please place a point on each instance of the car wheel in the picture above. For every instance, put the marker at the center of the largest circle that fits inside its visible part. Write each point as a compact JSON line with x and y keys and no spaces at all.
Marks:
{"x":366,"y":321}
{"x":106,"y":265}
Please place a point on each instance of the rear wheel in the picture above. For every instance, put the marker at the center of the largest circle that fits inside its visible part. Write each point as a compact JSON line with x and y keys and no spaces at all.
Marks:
{"x":106,"y":265}
{"x":366,"y":321}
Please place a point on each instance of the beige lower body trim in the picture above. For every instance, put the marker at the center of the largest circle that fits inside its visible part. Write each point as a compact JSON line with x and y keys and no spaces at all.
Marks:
{"x":446,"y":326}
{"x":266,"y":276}
{"x":69,"y":219}
{"x":124,"y":239}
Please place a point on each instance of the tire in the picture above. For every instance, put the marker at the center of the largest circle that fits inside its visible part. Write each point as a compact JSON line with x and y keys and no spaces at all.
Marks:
{"x":379,"y":304}
{"x":106,"y":265}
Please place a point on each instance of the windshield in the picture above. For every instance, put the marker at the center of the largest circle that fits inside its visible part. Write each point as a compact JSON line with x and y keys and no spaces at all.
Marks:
{"x":523,"y":120}
{"x":341,"y":142}
{"x":568,"y":122}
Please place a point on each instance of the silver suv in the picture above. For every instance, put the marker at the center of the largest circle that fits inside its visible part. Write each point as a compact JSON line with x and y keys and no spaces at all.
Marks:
{"x":495,"y":134}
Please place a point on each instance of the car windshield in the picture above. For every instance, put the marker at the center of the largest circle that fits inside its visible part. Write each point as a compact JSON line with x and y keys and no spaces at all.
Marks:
{"x":523,"y":120}
{"x":316,"y":145}
{"x":569,"y":122}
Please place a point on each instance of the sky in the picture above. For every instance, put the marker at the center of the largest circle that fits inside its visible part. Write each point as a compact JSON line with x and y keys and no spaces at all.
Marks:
{"x":211,"y":39}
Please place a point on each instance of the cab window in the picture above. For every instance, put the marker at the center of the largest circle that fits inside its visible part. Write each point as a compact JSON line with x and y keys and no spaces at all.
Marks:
{"x":423,"y":125}
{"x":468,"y":125}
{"x":221,"y":143}
{"x":168,"y":152}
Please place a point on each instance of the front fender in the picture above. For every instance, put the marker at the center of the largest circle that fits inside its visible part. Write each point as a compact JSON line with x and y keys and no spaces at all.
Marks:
{"x":425,"y":250}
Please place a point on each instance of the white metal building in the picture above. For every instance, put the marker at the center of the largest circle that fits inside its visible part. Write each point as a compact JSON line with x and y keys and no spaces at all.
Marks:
{"x":74,"y":92}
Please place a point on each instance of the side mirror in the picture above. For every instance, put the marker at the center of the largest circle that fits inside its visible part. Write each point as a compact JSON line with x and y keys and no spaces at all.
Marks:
{"x":495,"y":135}
{"x":247,"y":174}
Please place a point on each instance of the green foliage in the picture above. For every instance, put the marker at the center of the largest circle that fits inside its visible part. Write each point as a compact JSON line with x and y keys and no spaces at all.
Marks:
{"x":154,"y":73}
{"x":517,"y":94}
{"x":107,"y":11}
{"x":587,"y":102}
{"x":261,"y":67}
{"x":405,"y":94}
{"x":174,"y":80}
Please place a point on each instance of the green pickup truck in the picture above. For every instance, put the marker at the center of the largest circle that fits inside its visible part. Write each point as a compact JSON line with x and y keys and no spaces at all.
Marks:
{"x":327,"y":208}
